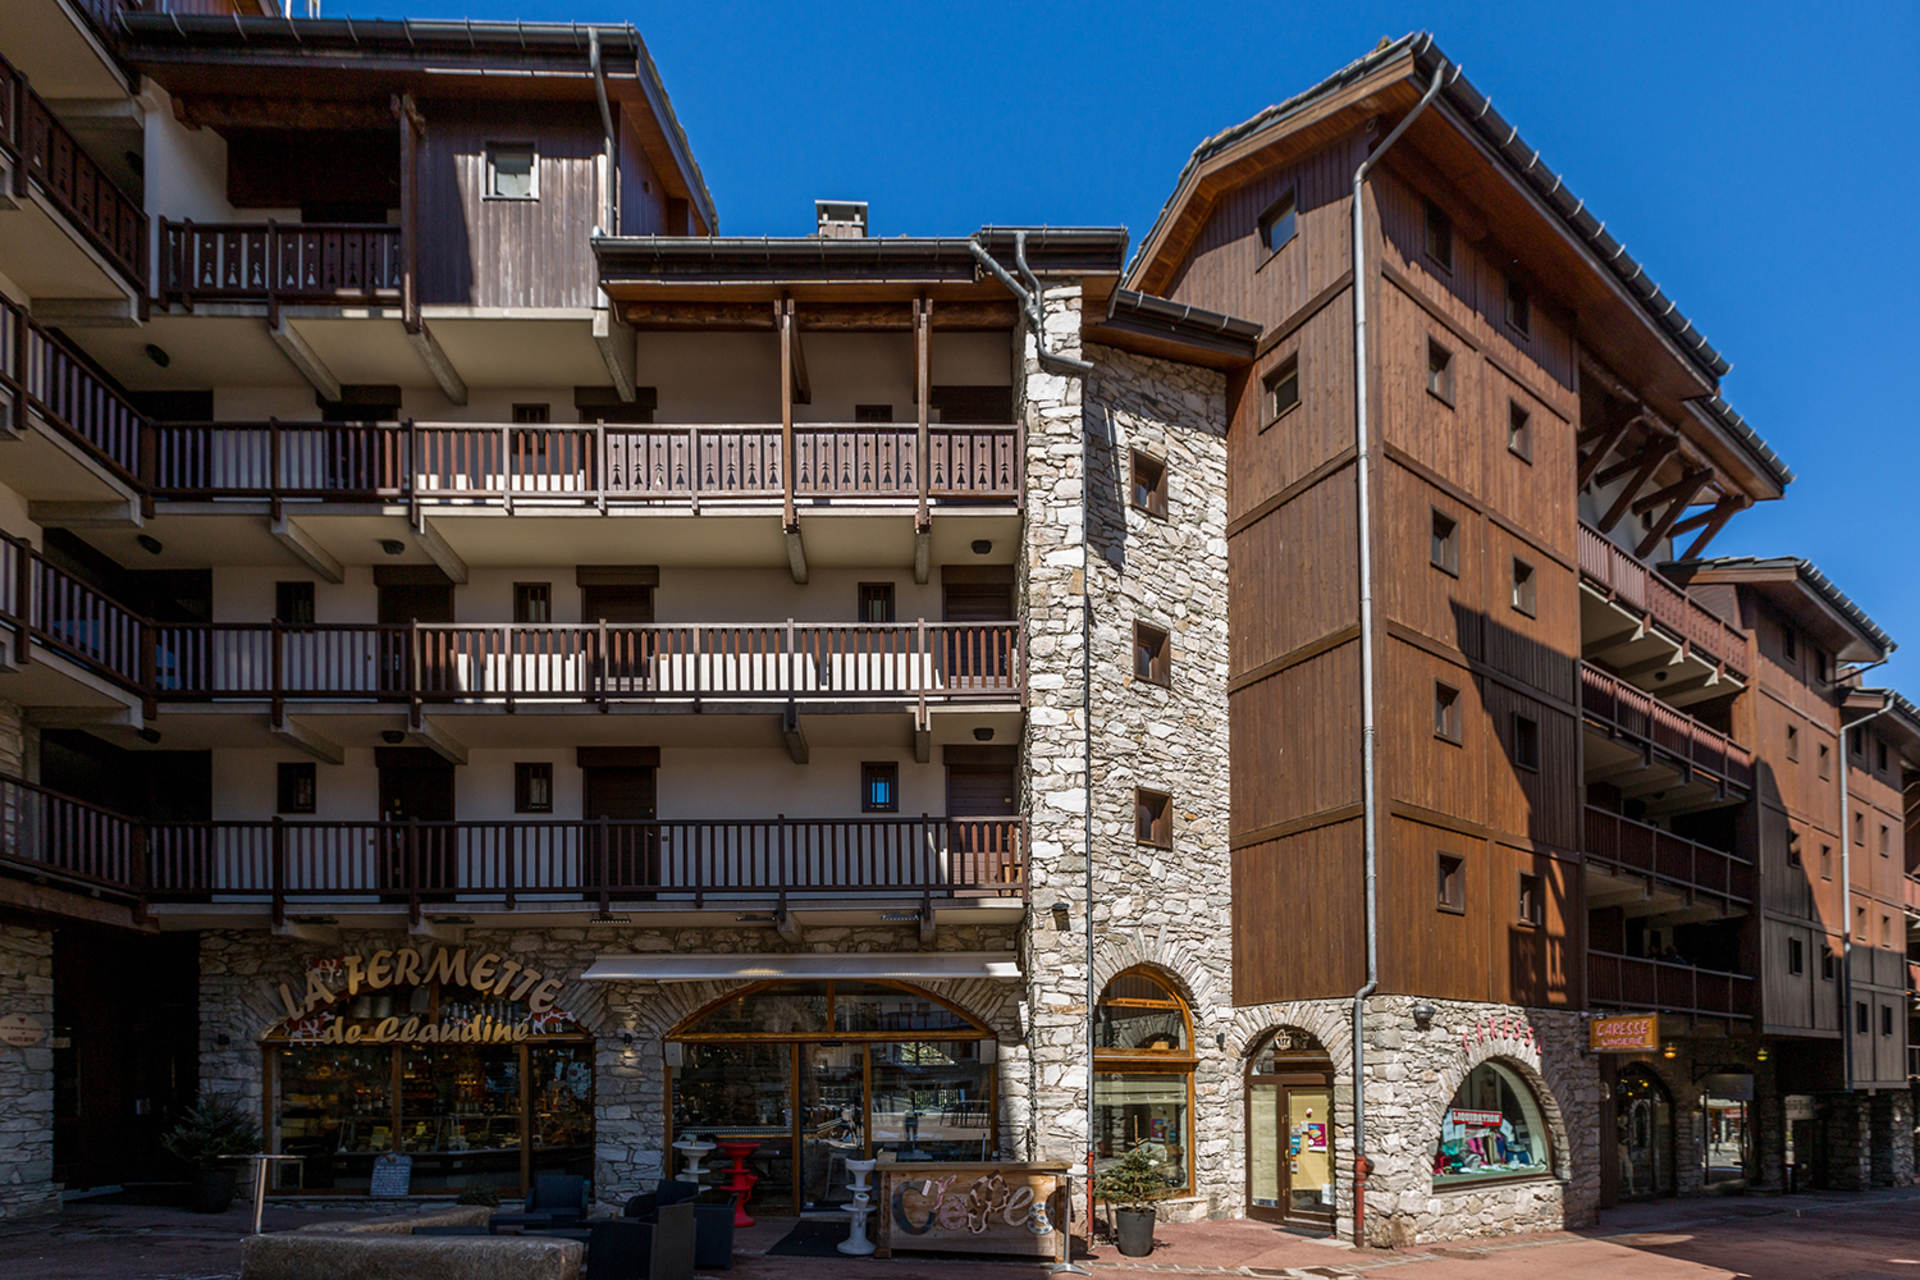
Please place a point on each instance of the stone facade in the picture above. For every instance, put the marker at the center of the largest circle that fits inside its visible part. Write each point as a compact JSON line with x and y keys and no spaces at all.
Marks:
{"x":26,"y":1077}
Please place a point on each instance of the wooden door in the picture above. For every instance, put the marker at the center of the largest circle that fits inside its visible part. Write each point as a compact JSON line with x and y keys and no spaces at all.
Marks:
{"x":625,"y":853}
{"x":416,"y":803}
{"x":1290,"y":1146}
{"x":977,"y":657}
{"x":982,"y":787}
{"x":627,"y":665}
{"x":400,"y":604}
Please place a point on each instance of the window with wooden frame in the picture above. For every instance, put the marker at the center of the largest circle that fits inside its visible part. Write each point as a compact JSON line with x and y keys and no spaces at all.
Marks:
{"x":1446,"y":712}
{"x":1152,"y":818}
{"x":1278,"y":225}
{"x":1444,"y":551}
{"x":1880,"y":754}
{"x":876,"y":602}
{"x":1886,"y":932}
{"x":1857,"y":743}
{"x":1450,"y":883}
{"x":1826,"y":862}
{"x":1519,"y":308}
{"x":531,"y":444}
{"x":1439,"y":237}
{"x":1859,"y":827}
{"x":1533,"y":900}
{"x":1283,"y":389}
{"x":1526,"y":743}
{"x":1149,"y":484}
{"x":1525,"y":587}
{"x":533,"y":787}
{"x":1789,"y":644}
{"x":1827,"y":965}
{"x":1886,"y":840}
{"x":1519,"y":432}
{"x":1860,"y":924}
{"x":1796,"y":957}
{"x":295,"y":788}
{"x":1793,"y":848}
{"x":1860,"y":1015}
{"x":512,"y":171}
{"x":533,"y":603}
{"x":880,"y":787}
{"x":1440,"y":373}
{"x":1143,"y":1057}
{"x":1825,"y":762}
{"x":293,"y":603}
{"x":1152,"y":654}
{"x":1793,"y":742}
{"x":1886,"y":1019}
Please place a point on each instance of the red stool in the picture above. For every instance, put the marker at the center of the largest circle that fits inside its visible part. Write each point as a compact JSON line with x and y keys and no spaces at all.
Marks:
{"x":740,"y":1179}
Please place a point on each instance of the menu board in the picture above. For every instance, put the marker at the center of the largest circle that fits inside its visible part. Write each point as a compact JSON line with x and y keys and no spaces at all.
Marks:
{"x":392,"y":1175}
{"x":1017,"y":1210}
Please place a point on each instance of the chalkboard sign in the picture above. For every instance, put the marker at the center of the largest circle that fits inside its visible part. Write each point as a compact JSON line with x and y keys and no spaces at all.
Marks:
{"x":392,"y":1175}
{"x":1015,"y":1209}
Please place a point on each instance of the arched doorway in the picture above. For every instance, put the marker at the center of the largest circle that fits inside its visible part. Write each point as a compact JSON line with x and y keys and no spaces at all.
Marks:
{"x":1643,"y":1123}
{"x":1143,"y":1075}
{"x":824,"y":1072}
{"x":1290,"y":1159}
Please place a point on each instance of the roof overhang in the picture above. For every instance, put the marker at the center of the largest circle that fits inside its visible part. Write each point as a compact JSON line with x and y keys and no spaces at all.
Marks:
{"x":1803,"y":593}
{"x":1899,"y":721}
{"x":1152,"y":326}
{"x":917,"y":965}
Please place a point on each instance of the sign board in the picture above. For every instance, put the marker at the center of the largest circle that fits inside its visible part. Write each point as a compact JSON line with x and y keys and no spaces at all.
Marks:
{"x":1624,"y":1033}
{"x":1014,"y":1209}
{"x":21,"y":1030}
{"x":1476,"y":1119}
{"x":1799,"y":1106}
{"x":392,"y":1175}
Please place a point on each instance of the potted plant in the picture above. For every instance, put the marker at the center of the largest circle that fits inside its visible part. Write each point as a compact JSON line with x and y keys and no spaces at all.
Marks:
{"x":205,"y":1138}
{"x":1131,"y":1186}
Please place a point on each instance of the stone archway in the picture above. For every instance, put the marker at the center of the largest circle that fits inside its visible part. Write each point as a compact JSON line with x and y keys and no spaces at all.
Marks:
{"x":1522,"y":1058}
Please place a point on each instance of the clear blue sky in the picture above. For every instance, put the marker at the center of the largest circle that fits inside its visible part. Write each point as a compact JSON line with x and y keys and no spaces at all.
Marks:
{"x":1760,"y":159}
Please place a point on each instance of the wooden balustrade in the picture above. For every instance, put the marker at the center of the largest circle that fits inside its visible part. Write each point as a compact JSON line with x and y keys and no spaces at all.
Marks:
{"x":43,"y":376}
{"x":1636,"y":847}
{"x":45,"y":151}
{"x":275,"y":262}
{"x":1631,"y":582}
{"x":47,"y":835}
{"x":46,"y":606}
{"x":1634,"y":713}
{"x":1635,"y":982}
{"x":1913,"y":894}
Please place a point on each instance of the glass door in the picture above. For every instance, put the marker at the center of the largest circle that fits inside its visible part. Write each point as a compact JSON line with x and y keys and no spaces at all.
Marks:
{"x":1310,"y":1154}
{"x":833,"y":1116}
{"x":1266,"y":1181}
{"x":1289,"y":1145}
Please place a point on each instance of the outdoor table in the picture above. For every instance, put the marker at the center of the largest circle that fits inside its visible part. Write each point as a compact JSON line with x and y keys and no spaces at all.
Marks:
{"x":260,"y":1161}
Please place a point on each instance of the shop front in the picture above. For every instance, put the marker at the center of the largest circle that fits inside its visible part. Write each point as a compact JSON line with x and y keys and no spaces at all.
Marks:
{"x":1290,"y":1159}
{"x":1492,"y":1131}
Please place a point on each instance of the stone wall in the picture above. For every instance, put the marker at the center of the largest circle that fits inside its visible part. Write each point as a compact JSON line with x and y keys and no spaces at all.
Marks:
{"x":1890,"y":1125}
{"x":26,"y":1077}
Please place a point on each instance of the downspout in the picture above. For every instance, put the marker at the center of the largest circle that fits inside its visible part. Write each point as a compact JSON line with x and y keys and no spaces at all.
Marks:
{"x":1846,"y":890}
{"x":1369,"y":817}
{"x":610,"y":205}
{"x":1030,"y":303}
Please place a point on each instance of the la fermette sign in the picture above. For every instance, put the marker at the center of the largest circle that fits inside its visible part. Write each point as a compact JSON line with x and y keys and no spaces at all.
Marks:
{"x":489,"y":972}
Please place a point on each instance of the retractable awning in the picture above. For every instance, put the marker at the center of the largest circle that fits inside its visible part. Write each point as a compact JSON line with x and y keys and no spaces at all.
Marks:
{"x":869,"y":964}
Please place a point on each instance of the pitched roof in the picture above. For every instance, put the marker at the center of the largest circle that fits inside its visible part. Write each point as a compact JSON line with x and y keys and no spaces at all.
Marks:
{"x":1808,"y":575}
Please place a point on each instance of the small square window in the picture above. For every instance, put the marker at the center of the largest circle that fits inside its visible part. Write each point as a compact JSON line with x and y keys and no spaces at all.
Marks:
{"x":873,"y":413}
{"x":1278,"y":224}
{"x":1440,"y":372}
{"x":1526,"y":742}
{"x":1446,"y":712}
{"x":1886,"y":840}
{"x":1283,"y":388}
{"x":880,"y":787}
{"x":533,"y":603}
{"x":1525,"y":588}
{"x":1886,"y":1019}
{"x":533,"y":787}
{"x":1826,"y":862}
{"x":1152,"y":654}
{"x":1859,"y":827}
{"x":1793,"y":848}
{"x":1152,"y":818}
{"x":511,"y":171}
{"x":876,"y":602}
{"x":1796,"y":957}
{"x":1857,"y":742}
{"x":1793,"y":742}
{"x":1149,"y":484}
{"x":1826,"y":761}
{"x":1519,"y":307}
{"x":1445,"y":550}
{"x":1860,"y":1015}
{"x":1880,"y":754}
{"x":1827,"y":965}
{"x":1519,"y":432}
{"x":1439,"y":236}
{"x":295,"y":788}
{"x":1533,"y":900}
{"x":293,"y":603}
{"x":1789,"y":644}
{"x":1451,"y":883}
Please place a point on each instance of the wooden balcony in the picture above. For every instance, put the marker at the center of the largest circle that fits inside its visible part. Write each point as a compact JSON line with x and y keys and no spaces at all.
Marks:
{"x":276,"y":262}
{"x":44,"y":380}
{"x":1913,"y":895}
{"x":1632,"y":584}
{"x":49,"y":609}
{"x":1631,"y":982}
{"x":511,"y":664}
{"x":1619,"y":845}
{"x":1624,"y":712}
{"x":551,"y":865}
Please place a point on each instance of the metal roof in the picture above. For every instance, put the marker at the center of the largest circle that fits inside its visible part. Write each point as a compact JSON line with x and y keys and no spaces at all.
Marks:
{"x":1820,"y":584}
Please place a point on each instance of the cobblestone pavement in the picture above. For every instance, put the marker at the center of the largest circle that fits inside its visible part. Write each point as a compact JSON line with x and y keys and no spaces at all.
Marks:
{"x":1875,"y":1236}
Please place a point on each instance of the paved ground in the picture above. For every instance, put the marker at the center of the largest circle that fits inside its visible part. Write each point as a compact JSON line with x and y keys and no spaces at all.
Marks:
{"x":1864,"y":1237}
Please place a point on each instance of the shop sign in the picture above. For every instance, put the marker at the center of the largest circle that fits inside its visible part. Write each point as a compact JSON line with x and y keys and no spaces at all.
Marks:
{"x":1500,"y":1030}
{"x":335,"y":978}
{"x":973,"y":1208}
{"x":1476,"y":1119}
{"x":1624,"y":1033}
{"x":21,"y":1030}
{"x":1799,"y":1106}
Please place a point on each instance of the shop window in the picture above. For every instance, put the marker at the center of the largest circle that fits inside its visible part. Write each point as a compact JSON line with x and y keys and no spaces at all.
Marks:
{"x":1283,"y":388}
{"x":1526,"y":742}
{"x":1152,"y":818}
{"x":1152,"y":654}
{"x":1796,"y":957}
{"x":880,"y":787}
{"x":1440,"y":372}
{"x":533,"y":787}
{"x":1492,"y":1129}
{"x":1439,"y":237}
{"x":295,"y":788}
{"x":1793,"y":743}
{"x":1444,"y":551}
{"x":1143,"y":1075}
{"x":1451,"y":883}
{"x":1525,"y":588}
{"x":1533,"y":900}
{"x":511,"y":171}
{"x":1290,"y":1139}
{"x":1149,"y":484}
{"x":1519,"y":432}
{"x":1519,"y":307}
{"x":1446,"y":712}
{"x":876,"y":602}
{"x":1827,"y":965}
{"x":1278,"y":224}
{"x":293,"y":603}
{"x":533,"y":603}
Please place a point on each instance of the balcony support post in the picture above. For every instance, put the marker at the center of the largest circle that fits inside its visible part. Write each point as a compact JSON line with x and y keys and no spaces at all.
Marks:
{"x":23,"y":584}
{"x":601,"y":852}
{"x":279,"y":871}
{"x":923,"y":391}
{"x":22,"y":367}
{"x":784,"y":315}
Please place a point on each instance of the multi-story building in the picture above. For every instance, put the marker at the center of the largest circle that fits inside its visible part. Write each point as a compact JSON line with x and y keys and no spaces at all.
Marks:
{"x":498,"y":672}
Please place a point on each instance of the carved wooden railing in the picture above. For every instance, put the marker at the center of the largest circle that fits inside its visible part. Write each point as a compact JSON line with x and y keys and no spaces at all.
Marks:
{"x":1631,"y":582}
{"x":1634,"y":982}
{"x":43,"y":151}
{"x":42,"y":376}
{"x":1625,"y":845}
{"x":1632,"y":713}
{"x":275,"y":262}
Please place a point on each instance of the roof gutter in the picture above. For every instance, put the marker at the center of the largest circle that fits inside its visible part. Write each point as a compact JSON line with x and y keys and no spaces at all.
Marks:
{"x":1029,"y":296}
{"x":610,"y":201}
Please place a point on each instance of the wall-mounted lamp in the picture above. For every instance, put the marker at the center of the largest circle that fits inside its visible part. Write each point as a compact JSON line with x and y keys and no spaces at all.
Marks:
{"x":149,"y":544}
{"x":1669,"y":1051}
{"x":392,"y":546}
{"x":1762,"y":1054}
{"x":626,"y":1038}
{"x":982,"y":546}
{"x":1423,"y":1015}
{"x":392,"y":737}
{"x":158,"y":355}
{"x":983,"y":735}
{"x":1059,"y":912}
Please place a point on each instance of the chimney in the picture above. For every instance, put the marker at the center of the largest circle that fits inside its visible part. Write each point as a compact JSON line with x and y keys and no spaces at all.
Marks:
{"x":840,"y":219}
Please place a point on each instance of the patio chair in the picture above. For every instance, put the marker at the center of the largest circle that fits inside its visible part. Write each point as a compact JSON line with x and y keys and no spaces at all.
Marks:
{"x":633,"y":1249}
{"x":557,"y":1200}
{"x":712,"y":1223}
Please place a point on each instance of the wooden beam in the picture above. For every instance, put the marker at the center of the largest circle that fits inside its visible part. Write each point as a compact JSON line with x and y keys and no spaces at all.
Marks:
{"x":796,"y":554}
{"x":791,"y":734}
{"x":1716,"y":521}
{"x":1649,"y":460}
{"x":234,"y":112}
{"x":617,"y":346}
{"x":923,"y":553}
{"x":1651,"y":447}
{"x":802,"y":385}
{"x":922,"y":394}
{"x":428,"y":538}
{"x":1610,"y":438}
{"x":1683,"y":493}
{"x":452,"y":385}
{"x":308,"y":552}
{"x":301,"y":355}
{"x":430,"y":735}
{"x":1685,"y":487}
{"x":784,"y":312}
{"x":412,"y":128}
{"x":816,"y":317}
{"x":787,"y":926}
{"x":320,"y":747}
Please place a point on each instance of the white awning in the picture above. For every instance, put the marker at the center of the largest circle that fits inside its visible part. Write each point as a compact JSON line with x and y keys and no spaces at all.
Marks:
{"x":868,"y":964}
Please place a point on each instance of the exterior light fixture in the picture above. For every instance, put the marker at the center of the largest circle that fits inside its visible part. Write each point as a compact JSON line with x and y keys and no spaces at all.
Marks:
{"x":392,"y":546}
{"x":392,"y":737}
{"x":626,"y":1038}
{"x":604,"y":919}
{"x":1762,"y":1054}
{"x":1669,"y":1051}
{"x":148,"y":736}
{"x":1059,"y":911}
{"x":1220,"y":1040}
{"x":982,"y":546}
{"x":149,"y":544}
{"x":983,"y":734}
{"x":1423,"y":1015}
{"x":158,"y":354}
{"x":222,"y":1041}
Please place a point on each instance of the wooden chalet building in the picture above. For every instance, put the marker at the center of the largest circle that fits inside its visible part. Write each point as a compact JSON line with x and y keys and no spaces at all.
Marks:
{"x":496,"y":671}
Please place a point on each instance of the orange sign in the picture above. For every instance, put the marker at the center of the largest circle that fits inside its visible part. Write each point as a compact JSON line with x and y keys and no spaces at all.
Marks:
{"x":1624,"y":1033}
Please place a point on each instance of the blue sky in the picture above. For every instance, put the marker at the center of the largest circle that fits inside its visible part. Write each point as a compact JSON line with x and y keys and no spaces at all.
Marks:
{"x":1760,"y":159}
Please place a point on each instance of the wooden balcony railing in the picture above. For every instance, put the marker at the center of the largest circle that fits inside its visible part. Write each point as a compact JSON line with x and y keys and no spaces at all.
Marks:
{"x":1913,"y":894}
{"x":44,"y":605}
{"x":1632,"y":846}
{"x":598,"y":663}
{"x":1635,"y":983}
{"x":1631,"y":582}
{"x":41,"y":375}
{"x":681,"y":861}
{"x":45,"y":152}
{"x":454,"y":463}
{"x":275,"y":262}
{"x":1632,"y":713}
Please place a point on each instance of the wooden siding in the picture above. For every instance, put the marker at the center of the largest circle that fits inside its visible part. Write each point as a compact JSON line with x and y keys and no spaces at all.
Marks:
{"x":1297,"y":916}
{"x":643,"y":200}
{"x":1264,"y":460}
{"x":1277,"y":609}
{"x":1295,"y":742}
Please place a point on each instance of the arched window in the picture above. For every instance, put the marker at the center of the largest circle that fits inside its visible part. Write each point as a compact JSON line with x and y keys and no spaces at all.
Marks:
{"x":1143,"y":1075}
{"x":1492,"y":1129}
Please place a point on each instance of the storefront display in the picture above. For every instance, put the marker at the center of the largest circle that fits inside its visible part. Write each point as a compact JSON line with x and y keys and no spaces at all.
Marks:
{"x":1492,"y":1129}
{"x":1143,"y":1076}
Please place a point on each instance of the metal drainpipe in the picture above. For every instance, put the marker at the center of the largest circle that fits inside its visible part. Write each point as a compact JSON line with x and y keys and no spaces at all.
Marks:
{"x":610,"y":206}
{"x":1030,"y":302}
{"x":1362,"y":1165}
{"x":1846,"y":889}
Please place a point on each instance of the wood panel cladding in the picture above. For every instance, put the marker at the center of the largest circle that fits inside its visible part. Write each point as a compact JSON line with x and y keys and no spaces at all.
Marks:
{"x":1265,"y":458}
{"x":1297,"y":915}
{"x":1276,"y":608}
{"x":1295,"y":742}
